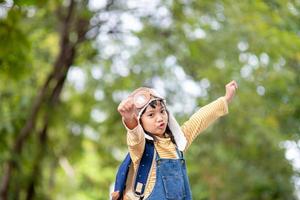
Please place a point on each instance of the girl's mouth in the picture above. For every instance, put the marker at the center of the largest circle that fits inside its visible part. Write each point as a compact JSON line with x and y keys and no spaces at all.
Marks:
{"x":161,"y":126}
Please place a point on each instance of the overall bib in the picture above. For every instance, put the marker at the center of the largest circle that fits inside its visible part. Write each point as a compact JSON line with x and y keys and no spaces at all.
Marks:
{"x":171,"y":179}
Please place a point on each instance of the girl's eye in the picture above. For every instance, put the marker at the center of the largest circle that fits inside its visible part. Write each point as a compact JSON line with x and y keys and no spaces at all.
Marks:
{"x":162,"y":111}
{"x":150,"y":115}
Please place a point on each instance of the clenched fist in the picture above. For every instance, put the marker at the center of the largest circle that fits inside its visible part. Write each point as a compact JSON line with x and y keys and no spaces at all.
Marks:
{"x":231,"y":87}
{"x":129,"y":113}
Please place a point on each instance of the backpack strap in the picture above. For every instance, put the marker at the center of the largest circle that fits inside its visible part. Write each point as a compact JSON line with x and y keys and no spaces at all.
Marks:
{"x":122,"y":175}
{"x":144,"y":169}
{"x":141,"y":175}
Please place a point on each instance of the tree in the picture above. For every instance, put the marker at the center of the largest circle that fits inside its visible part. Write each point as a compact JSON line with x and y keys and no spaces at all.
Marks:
{"x":65,"y":140}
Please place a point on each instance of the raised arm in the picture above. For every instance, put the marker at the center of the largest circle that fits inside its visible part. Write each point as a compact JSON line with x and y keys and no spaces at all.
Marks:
{"x":135,"y":132}
{"x":206,"y":115}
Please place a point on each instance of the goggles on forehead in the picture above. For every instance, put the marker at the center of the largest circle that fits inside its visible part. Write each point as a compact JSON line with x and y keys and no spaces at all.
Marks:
{"x":143,"y":97}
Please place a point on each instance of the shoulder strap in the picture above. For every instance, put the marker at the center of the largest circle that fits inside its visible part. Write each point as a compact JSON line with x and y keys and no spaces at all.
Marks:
{"x":141,"y":175}
{"x":144,"y":169}
{"x":122,"y":173}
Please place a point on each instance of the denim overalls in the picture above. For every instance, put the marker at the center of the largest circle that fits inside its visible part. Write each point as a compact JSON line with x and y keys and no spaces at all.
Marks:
{"x":171,"y":179}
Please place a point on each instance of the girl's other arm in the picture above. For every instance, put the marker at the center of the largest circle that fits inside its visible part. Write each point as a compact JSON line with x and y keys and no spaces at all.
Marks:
{"x":206,"y":115}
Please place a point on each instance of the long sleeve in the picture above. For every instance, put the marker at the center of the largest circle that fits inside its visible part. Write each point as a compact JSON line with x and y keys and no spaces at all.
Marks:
{"x":135,"y":142}
{"x":204,"y":117}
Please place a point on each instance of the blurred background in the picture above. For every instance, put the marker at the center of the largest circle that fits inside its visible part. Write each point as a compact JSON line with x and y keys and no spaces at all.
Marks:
{"x":65,"y":65}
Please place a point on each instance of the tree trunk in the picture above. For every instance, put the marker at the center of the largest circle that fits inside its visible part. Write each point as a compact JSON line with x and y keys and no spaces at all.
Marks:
{"x":49,"y":93}
{"x":43,"y":134}
{"x":36,"y":169}
{"x":56,"y":78}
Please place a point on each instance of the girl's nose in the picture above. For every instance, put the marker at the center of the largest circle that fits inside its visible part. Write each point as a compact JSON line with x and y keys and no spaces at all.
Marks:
{"x":159,"y":118}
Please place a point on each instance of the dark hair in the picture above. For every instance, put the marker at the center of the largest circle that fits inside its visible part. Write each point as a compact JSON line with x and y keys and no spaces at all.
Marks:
{"x":153,"y":104}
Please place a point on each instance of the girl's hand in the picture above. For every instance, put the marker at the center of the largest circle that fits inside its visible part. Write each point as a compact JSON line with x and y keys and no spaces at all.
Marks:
{"x":128,"y":111}
{"x":115,"y":195}
{"x":231,"y":87}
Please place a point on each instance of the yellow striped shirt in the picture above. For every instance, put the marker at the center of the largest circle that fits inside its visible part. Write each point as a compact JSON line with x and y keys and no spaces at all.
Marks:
{"x":197,"y":123}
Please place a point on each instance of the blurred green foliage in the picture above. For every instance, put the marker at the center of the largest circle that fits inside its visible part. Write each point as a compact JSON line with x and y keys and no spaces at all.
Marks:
{"x":256,"y":43}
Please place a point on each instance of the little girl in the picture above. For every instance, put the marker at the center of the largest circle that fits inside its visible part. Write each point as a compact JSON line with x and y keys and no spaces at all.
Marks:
{"x":146,"y":118}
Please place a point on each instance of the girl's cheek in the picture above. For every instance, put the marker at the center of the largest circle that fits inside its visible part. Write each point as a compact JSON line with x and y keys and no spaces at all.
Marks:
{"x":151,"y":121}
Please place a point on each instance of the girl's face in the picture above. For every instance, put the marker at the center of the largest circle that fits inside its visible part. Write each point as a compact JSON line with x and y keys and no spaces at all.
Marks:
{"x":155,"y":120}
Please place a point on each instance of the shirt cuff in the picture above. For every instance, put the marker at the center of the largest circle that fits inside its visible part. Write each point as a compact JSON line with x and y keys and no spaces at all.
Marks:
{"x":225,"y":105}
